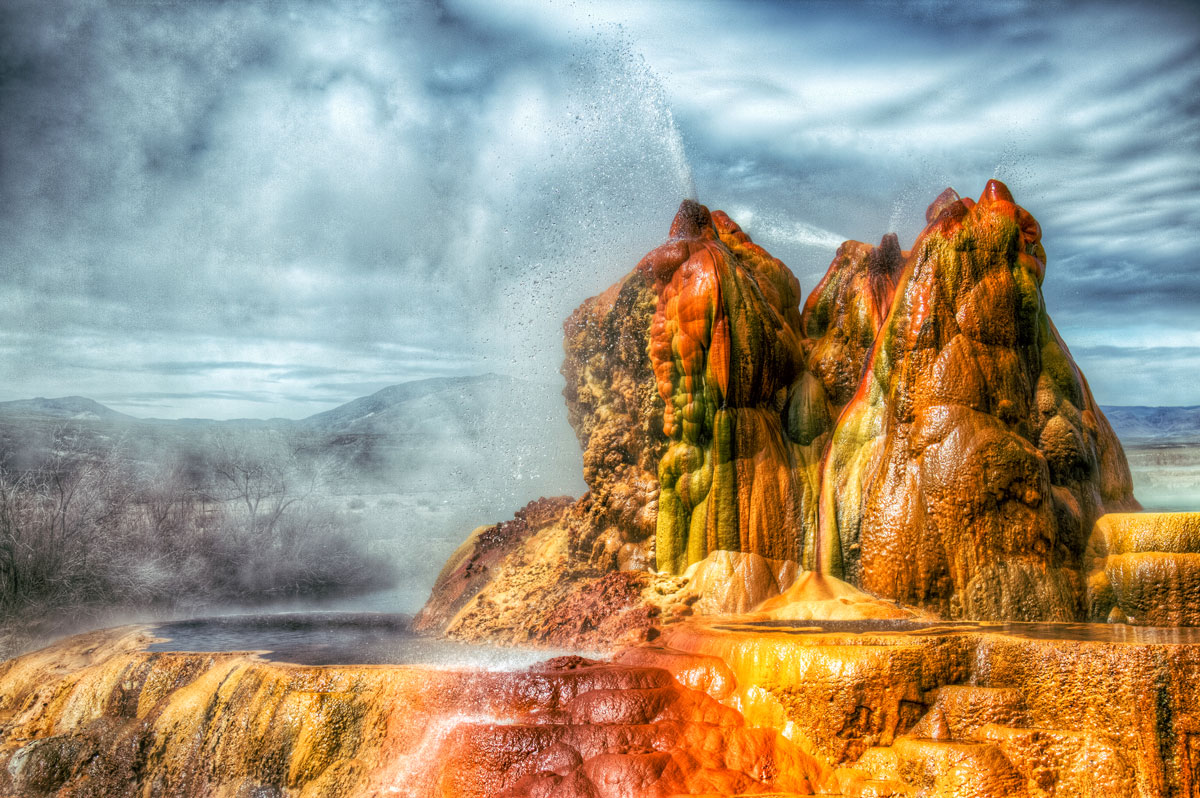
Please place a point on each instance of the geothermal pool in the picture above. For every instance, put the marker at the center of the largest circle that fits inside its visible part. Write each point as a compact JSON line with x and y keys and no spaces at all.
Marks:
{"x":876,"y":631}
{"x":342,"y":638}
{"x":339,"y":638}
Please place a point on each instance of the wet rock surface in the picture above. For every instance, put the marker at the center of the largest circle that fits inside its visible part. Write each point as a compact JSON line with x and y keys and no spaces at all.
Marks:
{"x":102,"y":715}
{"x":721,"y":706}
{"x":918,"y":429}
{"x":935,"y":708}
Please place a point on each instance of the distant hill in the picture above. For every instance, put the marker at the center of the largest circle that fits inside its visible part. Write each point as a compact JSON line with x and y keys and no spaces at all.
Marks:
{"x":1150,"y":425}
{"x":385,"y":405}
{"x":477,"y":433}
{"x":472,"y":407}
{"x":66,"y":407}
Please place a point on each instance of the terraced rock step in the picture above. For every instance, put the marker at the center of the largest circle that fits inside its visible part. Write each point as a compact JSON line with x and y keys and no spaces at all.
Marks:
{"x":988,"y":710}
{"x":101,"y":715}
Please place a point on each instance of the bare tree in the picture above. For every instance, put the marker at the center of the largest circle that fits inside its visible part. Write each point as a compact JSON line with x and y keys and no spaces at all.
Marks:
{"x":266,"y":479}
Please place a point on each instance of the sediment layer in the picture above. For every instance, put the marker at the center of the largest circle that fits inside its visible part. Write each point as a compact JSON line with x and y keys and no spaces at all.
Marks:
{"x":716,"y":707}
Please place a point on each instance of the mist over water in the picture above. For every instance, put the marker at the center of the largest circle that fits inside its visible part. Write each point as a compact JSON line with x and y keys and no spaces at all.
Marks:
{"x":315,"y":205}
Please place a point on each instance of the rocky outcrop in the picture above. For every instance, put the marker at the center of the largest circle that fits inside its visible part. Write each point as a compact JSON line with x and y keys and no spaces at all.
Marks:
{"x":919,"y":430}
{"x":841,"y":319}
{"x":472,"y":567}
{"x":708,"y":424}
{"x":616,"y":412}
{"x":969,"y":467}
{"x":527,"y":582}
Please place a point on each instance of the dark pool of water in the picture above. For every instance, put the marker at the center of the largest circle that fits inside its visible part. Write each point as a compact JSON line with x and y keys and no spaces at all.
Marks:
{"x":1076,"y":632}
{"x":336,"y":638}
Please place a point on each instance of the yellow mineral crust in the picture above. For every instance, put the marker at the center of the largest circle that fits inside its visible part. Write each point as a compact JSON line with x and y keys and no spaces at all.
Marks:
{"x":975,"y":709}
{"x":101,"y":715}
{"x":1144,"y":568}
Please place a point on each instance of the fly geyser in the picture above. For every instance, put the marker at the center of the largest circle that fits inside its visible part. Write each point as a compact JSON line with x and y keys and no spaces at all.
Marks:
{"x":918,"y":430}
{"x":723,"y":347}
{"x":862,"y":545}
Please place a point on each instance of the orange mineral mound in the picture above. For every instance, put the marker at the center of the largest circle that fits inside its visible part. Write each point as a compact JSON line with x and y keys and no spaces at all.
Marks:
{"x":969,"y":467}
{"x":919,"y":431}
{"x":820,"y":597}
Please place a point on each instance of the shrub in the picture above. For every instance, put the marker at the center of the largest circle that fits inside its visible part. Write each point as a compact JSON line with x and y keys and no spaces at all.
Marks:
{"x":85,"y":533}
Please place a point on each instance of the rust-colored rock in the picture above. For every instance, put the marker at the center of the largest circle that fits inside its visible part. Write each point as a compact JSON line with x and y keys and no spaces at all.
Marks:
{"x":967,"y":471}
{"x":100,"y":715}
{"x":719,"y":707}
{"x":841,"y":318}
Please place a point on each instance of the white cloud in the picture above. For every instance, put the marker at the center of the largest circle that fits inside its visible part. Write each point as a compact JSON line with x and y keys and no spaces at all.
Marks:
{"x":310,"y":184}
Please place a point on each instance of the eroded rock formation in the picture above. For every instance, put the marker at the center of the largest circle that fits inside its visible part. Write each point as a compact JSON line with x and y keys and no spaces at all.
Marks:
{"x":919,"y":430}
{"x":533,"y":583}
{"x":716,"y":707}
{"x":969,"y":467}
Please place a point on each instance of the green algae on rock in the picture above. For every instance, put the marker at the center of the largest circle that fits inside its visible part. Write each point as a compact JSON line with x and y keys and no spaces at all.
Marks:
{"x":723,"y":345}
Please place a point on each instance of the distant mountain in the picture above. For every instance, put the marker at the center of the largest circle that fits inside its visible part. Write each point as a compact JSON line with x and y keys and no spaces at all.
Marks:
{"x":479,"y":434}
{"x":66,"y":407}
{"x":416,"y":403}
{"x":457,"y":406}
{"x":1142,"y":425}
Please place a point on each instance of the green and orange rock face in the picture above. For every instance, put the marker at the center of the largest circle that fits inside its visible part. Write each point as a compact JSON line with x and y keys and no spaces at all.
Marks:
{"x":919,"y":430}
{"x":724,"y":351}
{"x":841,"y":319}
{"x":969,"y":467}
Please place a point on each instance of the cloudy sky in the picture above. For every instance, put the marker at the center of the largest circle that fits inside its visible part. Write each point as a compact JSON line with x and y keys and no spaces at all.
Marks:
{"x":269,"y":208}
